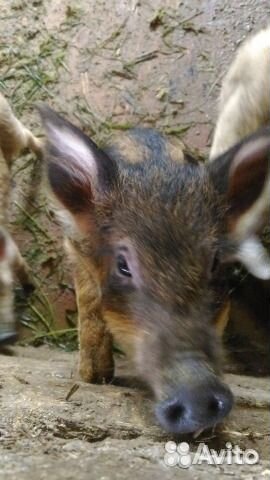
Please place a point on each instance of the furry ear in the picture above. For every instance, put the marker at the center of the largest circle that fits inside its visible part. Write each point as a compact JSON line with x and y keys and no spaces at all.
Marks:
{"x":78,"y":171}
{"x":242,"y":175}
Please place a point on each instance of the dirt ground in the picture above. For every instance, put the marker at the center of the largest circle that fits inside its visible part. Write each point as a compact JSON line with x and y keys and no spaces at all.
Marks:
{"x":108,"y":432}
{"x":107,"y":65}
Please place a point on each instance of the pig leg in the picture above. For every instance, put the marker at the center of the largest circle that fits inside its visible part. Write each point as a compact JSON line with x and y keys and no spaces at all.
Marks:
{"x":96,"y":358}
{"x":11,"y":264}
{"x":12,"y":255}
{"x":14,"y":137}
{"x":222,"y":319}
{"x":7,"y":322}
{"x":21,"y":270}
{"x":96,"y":349}
{"x":4,"y":189}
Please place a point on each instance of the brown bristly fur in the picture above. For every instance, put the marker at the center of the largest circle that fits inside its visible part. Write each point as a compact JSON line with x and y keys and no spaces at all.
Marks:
{"x":14,"y":138}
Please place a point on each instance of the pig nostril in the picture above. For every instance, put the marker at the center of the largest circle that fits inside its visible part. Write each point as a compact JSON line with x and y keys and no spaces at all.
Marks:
{"x":174,"y":413}
{"x":220,"y":404}
{"x":192,"y":409}
{"x":214,"y":406}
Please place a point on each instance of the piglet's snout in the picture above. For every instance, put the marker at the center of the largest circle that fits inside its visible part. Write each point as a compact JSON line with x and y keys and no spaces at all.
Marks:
{"x":192,"y":408}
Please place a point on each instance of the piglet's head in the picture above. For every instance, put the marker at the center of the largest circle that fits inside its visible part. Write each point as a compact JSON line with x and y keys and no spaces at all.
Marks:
{"x":160,"y":234}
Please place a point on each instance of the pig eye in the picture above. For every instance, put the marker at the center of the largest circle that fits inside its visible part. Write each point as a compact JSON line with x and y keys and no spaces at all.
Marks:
{"x":122,"y":266}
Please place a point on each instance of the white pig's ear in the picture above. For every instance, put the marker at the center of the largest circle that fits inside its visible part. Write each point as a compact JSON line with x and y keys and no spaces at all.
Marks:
{"x":78,"y":171}
{"x":242,"y":176}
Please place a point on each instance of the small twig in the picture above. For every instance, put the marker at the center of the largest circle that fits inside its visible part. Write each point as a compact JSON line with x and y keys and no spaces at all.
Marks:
{"x":190,"y":18}
{"x":142,"y":58}
{"x":109,"y":39}
{"x":21,"y":380}
{"x":71,"y":391}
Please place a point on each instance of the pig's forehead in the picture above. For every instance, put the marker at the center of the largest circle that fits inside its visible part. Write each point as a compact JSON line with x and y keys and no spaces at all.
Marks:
{"x":164,"y":182}
{"x":172,"y":234}
{"x":169,"y":223}
{"x":174,"y":199}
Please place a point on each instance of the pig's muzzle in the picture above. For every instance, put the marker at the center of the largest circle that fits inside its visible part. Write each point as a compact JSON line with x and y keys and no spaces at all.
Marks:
{"x":196,"y":404}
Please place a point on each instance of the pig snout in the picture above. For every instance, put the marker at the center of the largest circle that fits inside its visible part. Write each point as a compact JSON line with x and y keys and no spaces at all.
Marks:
{"x":195,"y":406}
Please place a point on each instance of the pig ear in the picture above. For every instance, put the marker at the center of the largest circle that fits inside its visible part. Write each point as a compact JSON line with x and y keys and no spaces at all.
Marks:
{"x":242,"y":176}
{"x":78,"y":171}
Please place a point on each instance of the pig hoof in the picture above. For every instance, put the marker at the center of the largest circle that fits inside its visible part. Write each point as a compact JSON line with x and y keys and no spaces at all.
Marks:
{"x":100,"y":376}
{"x":8,"y":338}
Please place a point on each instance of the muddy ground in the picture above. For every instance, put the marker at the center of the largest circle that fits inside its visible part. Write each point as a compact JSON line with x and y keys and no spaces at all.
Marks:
{"x":108,"y":432}
{"x":108,"y":65}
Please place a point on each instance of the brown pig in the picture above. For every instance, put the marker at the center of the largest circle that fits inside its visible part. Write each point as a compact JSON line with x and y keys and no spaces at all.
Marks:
{"x":14,"y":137}
{"x":150,"y":233}
{"x":244,"y":106}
